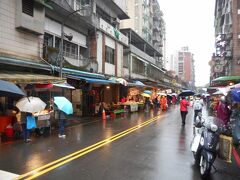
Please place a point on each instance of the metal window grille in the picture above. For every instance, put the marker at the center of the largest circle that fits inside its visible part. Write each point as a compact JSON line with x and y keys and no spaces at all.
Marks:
{"x":27,"y":7}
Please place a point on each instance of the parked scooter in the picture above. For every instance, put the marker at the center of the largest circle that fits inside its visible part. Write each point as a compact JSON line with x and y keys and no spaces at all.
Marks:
{"x":205,"y":145}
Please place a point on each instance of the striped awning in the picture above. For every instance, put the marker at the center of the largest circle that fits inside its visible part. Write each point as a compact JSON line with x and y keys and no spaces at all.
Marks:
{"x":28,"y":78}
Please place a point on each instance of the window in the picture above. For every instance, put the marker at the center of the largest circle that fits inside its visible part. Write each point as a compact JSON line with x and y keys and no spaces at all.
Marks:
{"x":27,"y":7}
{"x":48,"y":42}
{"x":69,"y":49}
{"x":83,"y":52}
{"x":138,"y":66}
{"x":125,"y":61}
{"x":48,"y":39}
{"x":109,"y":55}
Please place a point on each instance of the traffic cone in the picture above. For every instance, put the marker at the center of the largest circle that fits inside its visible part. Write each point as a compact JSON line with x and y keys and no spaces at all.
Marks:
{"x":103,"y":115}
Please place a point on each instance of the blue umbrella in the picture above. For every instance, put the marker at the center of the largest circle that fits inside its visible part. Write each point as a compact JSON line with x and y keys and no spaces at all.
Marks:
{"x":147,"y":92}
{"x":186,"y":93}
{"x":236,"y":94}
{"x":9,"y":89}
{"x":63,"y":104}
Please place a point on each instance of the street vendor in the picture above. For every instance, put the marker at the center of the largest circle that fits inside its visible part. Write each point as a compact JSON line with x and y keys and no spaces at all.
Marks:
{"x":223,"y":112}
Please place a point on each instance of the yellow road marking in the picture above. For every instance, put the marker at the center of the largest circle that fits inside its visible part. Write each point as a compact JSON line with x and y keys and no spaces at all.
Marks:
{"x":37,"y":172}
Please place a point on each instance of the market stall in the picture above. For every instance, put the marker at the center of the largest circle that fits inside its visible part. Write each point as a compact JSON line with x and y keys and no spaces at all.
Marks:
{"x":43,"y":121}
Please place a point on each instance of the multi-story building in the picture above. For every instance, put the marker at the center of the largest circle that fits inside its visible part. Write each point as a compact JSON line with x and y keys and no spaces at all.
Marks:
{"x":182,"y":63}
{"x":158,"y":34}
{"x":146,"y":19}
{"x":41,"y":42}
{"x":141,"y":21}
{"x":226,"y":60}
{"x":35,"y":36}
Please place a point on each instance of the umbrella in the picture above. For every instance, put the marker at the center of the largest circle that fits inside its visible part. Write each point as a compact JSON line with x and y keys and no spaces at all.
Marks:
{"x":63,"y":104}
{"x":139,"y":83}
{"x":162,"y":94}
{"x":174,"y":94}
{"x":145,"y":95}
{"x":236,"y":95}
{"x":10,"y":89}
{"x":122,"y":81}
{"x":147,"y":92}
{"x":64,"y":85}
{"x":186,"y":93}
{"x":169,"y":96}
{"x":31,"y":104}
{"x":218,"y":93}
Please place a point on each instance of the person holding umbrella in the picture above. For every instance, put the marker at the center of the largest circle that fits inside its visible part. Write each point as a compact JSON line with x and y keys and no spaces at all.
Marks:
{"x":64,"y":107}
{"x":62,"y":122}
{"x":184,"y":109}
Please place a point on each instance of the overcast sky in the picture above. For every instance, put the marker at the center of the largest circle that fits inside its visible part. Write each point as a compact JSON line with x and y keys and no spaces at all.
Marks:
{"x":191,"y":23}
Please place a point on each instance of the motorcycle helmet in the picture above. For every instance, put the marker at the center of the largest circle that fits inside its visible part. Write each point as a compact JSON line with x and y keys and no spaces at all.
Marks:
{"x":223,"y":99}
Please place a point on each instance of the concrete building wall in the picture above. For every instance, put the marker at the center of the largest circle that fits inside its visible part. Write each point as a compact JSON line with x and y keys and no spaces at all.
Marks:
{"x":54,"y":27}
{"x":120,"y":61}
{"x":235,"y":64}
{"x":99,"y":51}
{"x":129,"y":23}
{"x":122,"y":4}
{"x":15,"y":42}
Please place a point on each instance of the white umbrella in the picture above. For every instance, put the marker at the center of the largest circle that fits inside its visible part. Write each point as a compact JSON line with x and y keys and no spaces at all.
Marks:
{"x":31,"y":104}
{"x":218,"y":93}
{"x":122,"y":81}
{"x":162,"y":94}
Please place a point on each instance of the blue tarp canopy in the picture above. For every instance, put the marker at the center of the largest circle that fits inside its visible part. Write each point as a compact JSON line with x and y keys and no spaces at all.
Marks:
{"x":92,"y":80}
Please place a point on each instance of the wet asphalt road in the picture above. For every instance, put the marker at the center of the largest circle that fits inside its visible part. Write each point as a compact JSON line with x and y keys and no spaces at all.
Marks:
{"x":157,"y":151}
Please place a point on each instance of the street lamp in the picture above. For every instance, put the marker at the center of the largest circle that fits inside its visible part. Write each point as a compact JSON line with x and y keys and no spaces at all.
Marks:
{"x":61,"y":43}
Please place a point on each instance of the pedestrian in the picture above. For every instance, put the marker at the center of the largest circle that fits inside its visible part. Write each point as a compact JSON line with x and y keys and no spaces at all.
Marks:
{"x":163,"y":103}
{"x":197,"y":106}
{"x":156,"y":103}
{"x":174,"y":100}
{"x":24,"y":123}
{"x":61,"y":123}
{"x":223,"y":112}
{"x":147,"y":104}
{"x":184,"y":109}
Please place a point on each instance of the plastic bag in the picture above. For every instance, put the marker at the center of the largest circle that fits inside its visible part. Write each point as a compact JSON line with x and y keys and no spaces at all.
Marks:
{"x":31,"y":123}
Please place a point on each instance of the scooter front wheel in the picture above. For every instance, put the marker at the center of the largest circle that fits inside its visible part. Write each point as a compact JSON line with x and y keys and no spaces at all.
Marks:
{"x":205,"y":167}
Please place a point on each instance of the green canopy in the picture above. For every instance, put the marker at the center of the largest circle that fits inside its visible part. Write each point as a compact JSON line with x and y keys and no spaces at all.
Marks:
{"x":227,"y":78}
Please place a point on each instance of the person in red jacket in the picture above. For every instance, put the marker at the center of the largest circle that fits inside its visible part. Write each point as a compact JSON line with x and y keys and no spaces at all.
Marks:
{"x":184,"y":109}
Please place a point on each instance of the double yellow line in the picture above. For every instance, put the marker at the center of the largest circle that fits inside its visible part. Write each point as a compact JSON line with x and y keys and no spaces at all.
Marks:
{"x":59,"y":162}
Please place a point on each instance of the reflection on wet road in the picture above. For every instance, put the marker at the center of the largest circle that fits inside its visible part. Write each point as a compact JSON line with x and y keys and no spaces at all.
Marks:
{"x":137,"y":147}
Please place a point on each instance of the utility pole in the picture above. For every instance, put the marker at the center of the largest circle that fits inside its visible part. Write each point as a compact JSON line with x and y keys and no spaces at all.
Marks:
{"x":61,"y":43}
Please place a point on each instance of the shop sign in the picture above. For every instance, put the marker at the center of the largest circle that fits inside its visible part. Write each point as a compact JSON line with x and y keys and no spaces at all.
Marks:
{"x":109,"y":29}
{"x":218,"y":68}
{"x":169,"y":91}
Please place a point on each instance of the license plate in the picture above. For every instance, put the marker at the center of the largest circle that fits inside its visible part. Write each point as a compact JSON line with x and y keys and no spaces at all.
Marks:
{"x":195,"y":143}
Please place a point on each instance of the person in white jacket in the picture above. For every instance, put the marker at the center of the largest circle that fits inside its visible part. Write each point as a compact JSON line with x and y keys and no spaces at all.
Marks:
{"x":197,"y":106}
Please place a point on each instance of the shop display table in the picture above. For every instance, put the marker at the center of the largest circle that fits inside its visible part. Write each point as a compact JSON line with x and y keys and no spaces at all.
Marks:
{"x":43,"y":121}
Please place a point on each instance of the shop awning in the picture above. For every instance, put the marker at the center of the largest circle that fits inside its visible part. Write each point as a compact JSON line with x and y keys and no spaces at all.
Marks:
{"x":28,"y":78}
{"x":227,"y":78}
{"x":64,"y":85}
{"x":91,"y":80}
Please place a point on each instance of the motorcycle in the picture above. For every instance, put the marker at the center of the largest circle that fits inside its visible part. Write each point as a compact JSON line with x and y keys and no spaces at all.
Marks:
{"x":205,"y":145}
